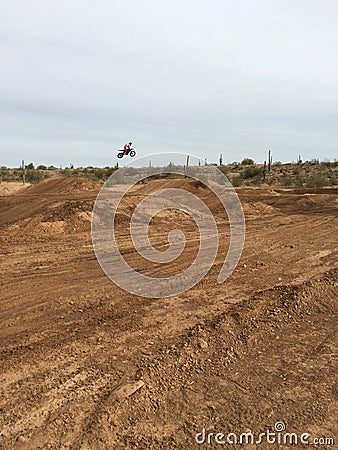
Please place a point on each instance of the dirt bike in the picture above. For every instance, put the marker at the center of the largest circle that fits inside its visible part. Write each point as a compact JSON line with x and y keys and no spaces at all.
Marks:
{"x":121,"y":153}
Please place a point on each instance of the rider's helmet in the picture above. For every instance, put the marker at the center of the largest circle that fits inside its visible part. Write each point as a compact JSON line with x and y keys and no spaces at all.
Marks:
{"x":130,"y":143}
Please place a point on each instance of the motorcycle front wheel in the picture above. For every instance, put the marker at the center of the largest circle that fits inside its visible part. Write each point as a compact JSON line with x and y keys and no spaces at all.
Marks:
{"x":132,"y":153}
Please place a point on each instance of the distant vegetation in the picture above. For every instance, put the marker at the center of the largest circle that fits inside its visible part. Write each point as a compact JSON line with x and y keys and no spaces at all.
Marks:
{"x":247,"y":162}
{"x":301,"y":174}
{"x":246,"y":173}
{"x":41,"y":172}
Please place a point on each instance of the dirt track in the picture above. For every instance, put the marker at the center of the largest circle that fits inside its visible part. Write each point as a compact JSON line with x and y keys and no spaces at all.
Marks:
{"x":230,"y":357}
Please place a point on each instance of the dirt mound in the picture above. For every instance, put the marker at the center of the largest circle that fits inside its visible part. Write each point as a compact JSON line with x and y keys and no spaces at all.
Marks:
{"x":63,"y":185}
{"x":324,"y":190}
{"x":8,"y":188}
{"x":55,"y":219}
{"x":257,"y":209}
{"x":49,"y":208}
{"x":195,"y":187}
{"x":323,"y":203}
{"x":176,"y":183}
{"x":293,"y":201}
{"x":250,"y":208}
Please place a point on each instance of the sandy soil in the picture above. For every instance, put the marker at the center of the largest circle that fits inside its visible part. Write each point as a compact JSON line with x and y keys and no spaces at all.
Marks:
{"x":8,"y":188}
{"x":85,"y":365}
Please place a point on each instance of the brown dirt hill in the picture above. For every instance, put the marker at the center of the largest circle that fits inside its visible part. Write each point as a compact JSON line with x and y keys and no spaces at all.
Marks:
{"x":179,"y":183}
{"x":321,"y":201}
{"x":63,"y":185}
{"x":250,"y":208}
{"x":61,"y":205}
{"x":50,"y":207}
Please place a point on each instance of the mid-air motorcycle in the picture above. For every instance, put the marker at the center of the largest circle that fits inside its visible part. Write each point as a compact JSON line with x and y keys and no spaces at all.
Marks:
{"x":122,"y":153}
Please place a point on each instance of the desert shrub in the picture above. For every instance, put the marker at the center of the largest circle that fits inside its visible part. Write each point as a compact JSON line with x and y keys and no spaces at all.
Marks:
{"x":287,"y":181}
{"x":257,"y":180}
{"x":4,"y":173}
{"x":235,"y":166}
{"x":34,"y":176}
{"x":41,"y":167}
{"x":251,"y":172}
{"x":313,"y":161}
{"x":75,"y":172}
{"x":317,"y":180}
{"x":247,"y":162}
{"x":109,"y":171}
{"x":99,"y":173}
{"x":65,"y":172}
{"x":299,"y":181}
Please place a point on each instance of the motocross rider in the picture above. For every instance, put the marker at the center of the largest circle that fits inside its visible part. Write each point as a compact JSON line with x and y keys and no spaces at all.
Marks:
{"x":127,"y":147}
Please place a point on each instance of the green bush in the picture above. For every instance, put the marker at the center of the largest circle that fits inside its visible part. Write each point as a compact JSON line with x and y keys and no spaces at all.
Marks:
{"x":287,"y":181}
{"x":251,"y":172}
{"x":247,"y":162}
{"x":235,"y":166}
{"x":316,"y":180}
{"x":4,"y":173}
{"x":99,"y":173}
{"x":299,"y":181}
{"x":34,"y":176}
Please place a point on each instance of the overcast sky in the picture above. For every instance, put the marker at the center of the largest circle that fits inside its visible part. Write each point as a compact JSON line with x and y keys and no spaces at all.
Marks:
{"x":80,"y":78}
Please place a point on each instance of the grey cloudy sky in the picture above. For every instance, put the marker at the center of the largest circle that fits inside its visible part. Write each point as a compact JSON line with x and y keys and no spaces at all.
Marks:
{"x":80,"y":78}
